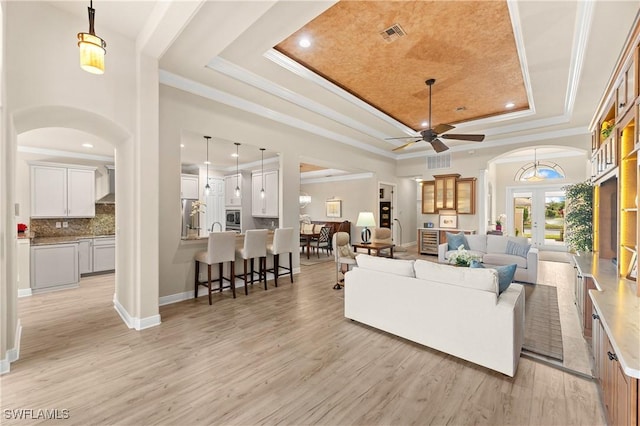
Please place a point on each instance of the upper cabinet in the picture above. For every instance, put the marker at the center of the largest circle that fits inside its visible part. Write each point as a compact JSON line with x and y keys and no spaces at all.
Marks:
{"x":466,"y":195}
{"x":230,"y":184}
{"x":266,"y":206}
{"x":58,"y":191}
{"x":446,"y":191}
{"x":189,"y":187}
{"x":428,"y":197}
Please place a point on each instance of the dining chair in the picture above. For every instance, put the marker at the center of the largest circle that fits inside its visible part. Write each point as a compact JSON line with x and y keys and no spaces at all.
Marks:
{"x":221,"y":248}
{"x":322,"y":242}
{"x":282,"y":244}
{"x":255,"y":246}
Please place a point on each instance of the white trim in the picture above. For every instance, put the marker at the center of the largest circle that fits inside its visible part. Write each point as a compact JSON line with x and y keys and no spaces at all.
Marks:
{"x":24,"y":292}
{"x":5,"y":366}
{"x":173,"y":80}
{"x":584,"y":16}
{"x":568,"y":152}
{"x":514,"y":13}
{"x":340,"y":178}
{"x":60,"y":153}
{"x":14,"y":353}
{"x":134,"y":322}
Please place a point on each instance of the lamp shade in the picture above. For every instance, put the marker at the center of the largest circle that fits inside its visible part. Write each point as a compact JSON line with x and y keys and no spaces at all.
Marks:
{"x":92,"y":51}
{"x":366,"y":219}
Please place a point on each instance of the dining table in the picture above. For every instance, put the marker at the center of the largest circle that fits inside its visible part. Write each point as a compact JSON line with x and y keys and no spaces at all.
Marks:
{"x":308,"y":237}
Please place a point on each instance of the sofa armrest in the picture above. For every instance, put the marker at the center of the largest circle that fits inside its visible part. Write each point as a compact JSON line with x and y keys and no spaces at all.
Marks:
{"x":442,"y":252}
{"x":532,"y":265}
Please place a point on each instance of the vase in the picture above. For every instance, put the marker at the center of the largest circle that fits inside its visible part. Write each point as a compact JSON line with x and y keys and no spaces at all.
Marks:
{"x":192,"y":233}
{"x":498,"y":227}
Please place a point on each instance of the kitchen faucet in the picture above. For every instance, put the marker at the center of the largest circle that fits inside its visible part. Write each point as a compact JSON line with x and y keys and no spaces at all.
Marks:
{"x":214,"y":224}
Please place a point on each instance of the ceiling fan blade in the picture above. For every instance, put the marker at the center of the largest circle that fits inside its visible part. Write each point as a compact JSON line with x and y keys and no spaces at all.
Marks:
{"x":406,"y":145}
{"x":472,"y":138}
{"x":441,"y":128}
{"x":438,"y":145}
{"x":404,"y":137}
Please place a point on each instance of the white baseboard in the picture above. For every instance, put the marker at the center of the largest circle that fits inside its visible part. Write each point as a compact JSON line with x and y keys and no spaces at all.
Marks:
{"x":134,"y":322}
{"x":24,"y":292}
{"x":14,"y":353}
{"x":4,"y":366}
{"x":186,"y":295}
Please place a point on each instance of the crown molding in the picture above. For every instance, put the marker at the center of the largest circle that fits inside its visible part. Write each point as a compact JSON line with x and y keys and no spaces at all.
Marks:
{"x":340,"y":178}
{"x":61,"y":153}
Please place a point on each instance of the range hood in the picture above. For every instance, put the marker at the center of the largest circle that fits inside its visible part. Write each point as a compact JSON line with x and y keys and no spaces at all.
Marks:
{"x":110,"y":198}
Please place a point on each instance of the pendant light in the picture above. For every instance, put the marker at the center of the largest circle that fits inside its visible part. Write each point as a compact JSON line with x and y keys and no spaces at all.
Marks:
{"x":207,"y":188}
{"x":237,"y":144}
{"x":535,"y":177}
{"x":262,"y":167}
{"x":92,"y":47}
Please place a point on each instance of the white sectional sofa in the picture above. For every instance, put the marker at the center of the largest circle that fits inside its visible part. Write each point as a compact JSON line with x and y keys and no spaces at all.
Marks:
{"x":454,"y":310}
{"x":492,"y":250}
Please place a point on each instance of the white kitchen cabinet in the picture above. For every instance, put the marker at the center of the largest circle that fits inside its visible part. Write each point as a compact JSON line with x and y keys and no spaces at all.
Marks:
{"x":85,"y":255}
{"x":104,"y":254}
{"x":189,"y":187}
{"x":267,"y":206}
{"x":230,"y":184}
{"x":54,"y":265}
{"x":215,"y":205}
{"x":58,"y":191}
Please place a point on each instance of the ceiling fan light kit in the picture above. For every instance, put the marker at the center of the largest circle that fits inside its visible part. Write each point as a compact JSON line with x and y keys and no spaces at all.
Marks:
{"x":432,"y":134}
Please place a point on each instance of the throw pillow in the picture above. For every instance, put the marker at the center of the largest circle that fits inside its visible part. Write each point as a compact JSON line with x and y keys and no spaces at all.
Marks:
{"x":518,"y":249}
{"x":505,"y":274}
{"x":456,"y":240}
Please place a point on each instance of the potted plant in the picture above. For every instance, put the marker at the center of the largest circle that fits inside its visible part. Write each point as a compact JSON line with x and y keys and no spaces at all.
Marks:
{"x":462,"y":257}
{"x":499,"y":221}
{"x":579,"y":216}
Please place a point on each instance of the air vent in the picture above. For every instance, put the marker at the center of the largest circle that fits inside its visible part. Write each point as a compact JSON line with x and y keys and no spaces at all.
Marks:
{"x":439,"y":161}
{"x":393,"y":33}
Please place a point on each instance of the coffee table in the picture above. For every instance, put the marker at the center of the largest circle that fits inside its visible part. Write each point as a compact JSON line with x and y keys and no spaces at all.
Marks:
{"x":375,"y":246}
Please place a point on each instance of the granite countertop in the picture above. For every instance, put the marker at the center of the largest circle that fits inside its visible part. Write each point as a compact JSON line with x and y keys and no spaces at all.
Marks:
{"x":617,"y":303}
{"x":40,"y":241}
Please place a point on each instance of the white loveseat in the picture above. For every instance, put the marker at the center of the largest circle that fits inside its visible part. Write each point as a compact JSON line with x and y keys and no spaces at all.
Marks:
{"x":492,"y":250}
{"x":454,"y":310}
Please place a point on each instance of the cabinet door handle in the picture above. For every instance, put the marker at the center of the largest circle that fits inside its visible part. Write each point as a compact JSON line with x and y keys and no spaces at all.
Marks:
{"x":622,"y":104}
{"x":595,"y":316}
{"x":612,"y":356}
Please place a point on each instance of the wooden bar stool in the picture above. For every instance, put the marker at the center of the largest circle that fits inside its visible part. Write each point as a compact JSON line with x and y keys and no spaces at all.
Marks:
{"x":282,"y":244}
{"x":221,"y":248}
{"x":255,"y":245}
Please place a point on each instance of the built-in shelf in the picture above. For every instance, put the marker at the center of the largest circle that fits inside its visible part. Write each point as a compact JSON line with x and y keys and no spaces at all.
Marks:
{"x":632,"y":249}
{"x":632,"y":155}
{"x":634,"y":209}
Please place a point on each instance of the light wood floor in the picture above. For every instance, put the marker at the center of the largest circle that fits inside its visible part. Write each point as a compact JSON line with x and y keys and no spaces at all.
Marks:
{"x":285,"y":356}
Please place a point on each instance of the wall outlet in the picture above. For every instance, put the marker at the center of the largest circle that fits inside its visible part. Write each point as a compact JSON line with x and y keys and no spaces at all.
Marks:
{"x":58,"y":224}
{"x":65,"y":224}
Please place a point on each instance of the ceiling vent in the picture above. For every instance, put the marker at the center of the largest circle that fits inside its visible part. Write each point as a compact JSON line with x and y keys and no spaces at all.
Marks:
{"x":439,"y":161}
{"x":393,"y":33}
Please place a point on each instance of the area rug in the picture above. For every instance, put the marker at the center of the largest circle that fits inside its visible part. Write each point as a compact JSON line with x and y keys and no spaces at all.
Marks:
{"x":542,"y":331}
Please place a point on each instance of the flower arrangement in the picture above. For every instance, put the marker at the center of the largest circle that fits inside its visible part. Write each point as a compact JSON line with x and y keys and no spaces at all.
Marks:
{"x":500,"y":220}
{"x":462,"y":257}
{"x":606,"y":129}
{"x":197,"y":207}
{"x":22,"y":227}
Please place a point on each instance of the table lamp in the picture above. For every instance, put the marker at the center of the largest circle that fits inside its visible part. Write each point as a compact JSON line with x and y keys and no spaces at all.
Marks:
{"x":366,"y":219}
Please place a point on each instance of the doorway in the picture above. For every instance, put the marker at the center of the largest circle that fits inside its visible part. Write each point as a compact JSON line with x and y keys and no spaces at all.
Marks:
{"x":538,"y":214}
{"x":386,"y":208}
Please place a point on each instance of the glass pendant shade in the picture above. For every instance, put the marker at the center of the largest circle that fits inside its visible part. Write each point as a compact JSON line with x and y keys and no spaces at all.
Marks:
{"x":92,"y":48}
{"x":237,"y":144}
{"x":207,"y":188}
{"x":262,"y":170}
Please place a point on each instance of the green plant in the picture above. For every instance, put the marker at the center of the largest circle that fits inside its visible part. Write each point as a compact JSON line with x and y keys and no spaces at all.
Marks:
{"x":579,"y":216}
{"x":462,"y":257}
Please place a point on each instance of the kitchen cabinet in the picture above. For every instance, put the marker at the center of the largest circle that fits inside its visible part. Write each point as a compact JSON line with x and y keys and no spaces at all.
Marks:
{"x":428,"y":197}
{"x":85,"y":255}
{"x":189,"y":187}
{"x":58,"y":192}
{"x":267,"y":206}
{"x":445,"y":193}
{"x":104,"y":254}
{"x":54,"y":265}
{"x":230,"y":184}
{"x":466,"y":195}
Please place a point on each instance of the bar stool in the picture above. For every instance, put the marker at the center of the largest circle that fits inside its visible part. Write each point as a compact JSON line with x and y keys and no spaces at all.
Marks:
{"x":282,"y":243}
{"x":255,"y":245}
{"x":221,"y":247}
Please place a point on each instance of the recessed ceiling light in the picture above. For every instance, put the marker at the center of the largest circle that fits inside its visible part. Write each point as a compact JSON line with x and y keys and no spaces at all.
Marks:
{"x":424,"y":123}
{"x":87,"y":145}
{"x":181,"y":145}
{"x":207,"y":162}
{"x":304,"y":42}
{"x":509,"y":105}
{"x":234,"y":155}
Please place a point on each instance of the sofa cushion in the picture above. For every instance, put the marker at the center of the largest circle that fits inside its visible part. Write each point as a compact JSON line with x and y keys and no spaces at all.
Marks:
{"x":505,"y":274}
{"x":498,"y":243}
{"x":478,"y":279}
{"x":477,"y":243}
{"x":504,"y":259}
{"x":384,"y":264}
{"x":518,"y":249}
{"x":456,"y":240}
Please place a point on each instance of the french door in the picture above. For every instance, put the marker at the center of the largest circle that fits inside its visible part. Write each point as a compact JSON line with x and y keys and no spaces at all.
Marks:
{"x":538,"y":214}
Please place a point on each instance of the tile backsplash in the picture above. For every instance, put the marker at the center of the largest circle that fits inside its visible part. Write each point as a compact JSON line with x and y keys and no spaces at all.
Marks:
{"x":104,"y":223}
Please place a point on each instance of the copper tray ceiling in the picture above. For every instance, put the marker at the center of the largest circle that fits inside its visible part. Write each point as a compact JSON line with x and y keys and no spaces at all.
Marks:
{"x":468,"y":47}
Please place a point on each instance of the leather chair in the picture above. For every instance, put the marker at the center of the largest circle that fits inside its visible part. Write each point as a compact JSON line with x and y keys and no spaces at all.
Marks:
{"x":255,"y":245}
{"x":282,"y":244}
{"x":221,"y":248}
{"x":343,"y":255}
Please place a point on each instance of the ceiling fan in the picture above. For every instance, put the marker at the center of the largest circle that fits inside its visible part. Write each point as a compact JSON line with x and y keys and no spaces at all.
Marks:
{"x":433,"y":135}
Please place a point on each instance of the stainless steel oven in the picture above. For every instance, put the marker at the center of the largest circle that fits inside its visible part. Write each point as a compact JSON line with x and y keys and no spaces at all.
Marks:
{"x":233,"y":220}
